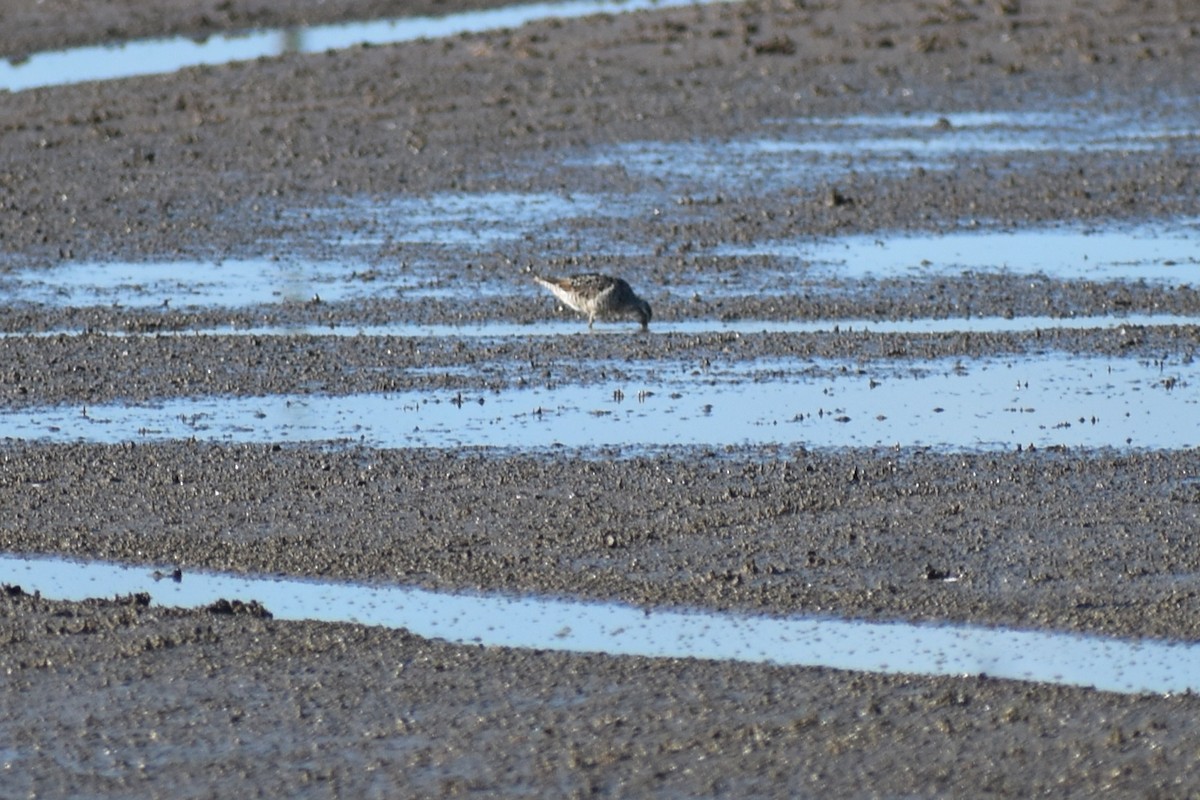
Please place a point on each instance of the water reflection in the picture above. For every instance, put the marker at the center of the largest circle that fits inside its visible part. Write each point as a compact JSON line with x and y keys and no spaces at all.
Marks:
{"x":985,"y":404}
{"x":540,"y":623}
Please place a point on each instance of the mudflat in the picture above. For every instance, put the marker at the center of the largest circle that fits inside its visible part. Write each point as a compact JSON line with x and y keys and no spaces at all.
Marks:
{"x":306,"y":156}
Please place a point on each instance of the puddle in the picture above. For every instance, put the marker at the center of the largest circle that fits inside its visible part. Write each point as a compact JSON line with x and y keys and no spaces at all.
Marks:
{"x":157,"y":56}
{"x":446,"y":219}
{"x":735,"y":165}
{"x":1151,"y":253}
{"x":925,"y":134}
{"x":991,"y":404}
{"x":191,"y":284}
{"x":475,"y":221}
{"x":816,"y":150}
{"x":462,"y":223}
{"x":1107,"y":664}
{"x":471,"y":225}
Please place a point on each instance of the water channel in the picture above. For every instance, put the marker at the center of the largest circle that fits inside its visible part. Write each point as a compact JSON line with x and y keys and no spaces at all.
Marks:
{"x":494,"y":620}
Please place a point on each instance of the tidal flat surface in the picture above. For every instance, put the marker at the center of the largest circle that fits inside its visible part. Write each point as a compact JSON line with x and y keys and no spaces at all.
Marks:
{"x":923,"y":351}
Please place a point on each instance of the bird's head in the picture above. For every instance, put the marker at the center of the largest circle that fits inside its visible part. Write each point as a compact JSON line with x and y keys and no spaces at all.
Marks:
{"x":644,"y":314}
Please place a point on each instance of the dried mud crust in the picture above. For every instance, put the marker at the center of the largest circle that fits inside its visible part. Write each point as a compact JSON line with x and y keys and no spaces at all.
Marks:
{"x":1065,"y":540}
{"x":174,"y":701}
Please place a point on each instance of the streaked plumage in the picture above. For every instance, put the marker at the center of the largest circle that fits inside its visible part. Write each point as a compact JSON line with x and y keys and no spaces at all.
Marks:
{"x":598,"y":296}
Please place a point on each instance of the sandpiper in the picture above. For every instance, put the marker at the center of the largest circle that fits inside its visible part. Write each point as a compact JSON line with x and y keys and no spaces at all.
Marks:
{"x":598,"y":296}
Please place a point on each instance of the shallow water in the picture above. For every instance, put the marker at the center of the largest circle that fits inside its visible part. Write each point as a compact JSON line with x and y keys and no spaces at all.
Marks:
{"x":230,"y":283}
{"x":578,"y":327}
{"x":1153,"y":253}
{"x":477,"y":221}
{"x":157,"y":56}
{"x":495,"y":620}
{"x":1160,"y":253}
{"x":987,"y":404}
{"x":812,"y":151}
{"x":974,"y":131}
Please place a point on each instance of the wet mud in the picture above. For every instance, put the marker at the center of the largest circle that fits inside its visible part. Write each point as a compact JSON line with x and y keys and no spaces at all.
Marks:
{"x":96,"y":368}
{"x":299,"y":157}
{"x":777,"y":529}
{"x":190,"y":701}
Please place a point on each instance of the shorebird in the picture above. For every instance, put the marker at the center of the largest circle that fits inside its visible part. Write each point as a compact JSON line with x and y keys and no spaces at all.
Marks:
{"x":598,"y":296}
